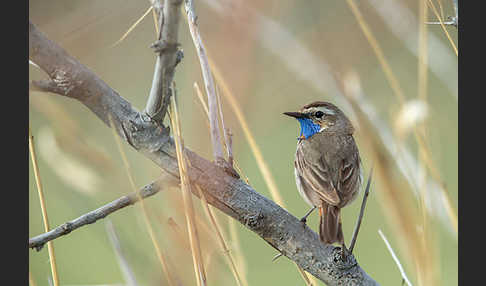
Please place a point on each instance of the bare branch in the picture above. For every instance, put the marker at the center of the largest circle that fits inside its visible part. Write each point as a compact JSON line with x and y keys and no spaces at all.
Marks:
{"x":208,"y":82}
{"x":45,"y":86}
{"x":38,"y":242}
{"x":229,"y":194}
{"x":168,"y":56}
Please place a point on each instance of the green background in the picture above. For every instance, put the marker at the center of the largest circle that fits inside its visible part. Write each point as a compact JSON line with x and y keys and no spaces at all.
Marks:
{"x":265,"y":86}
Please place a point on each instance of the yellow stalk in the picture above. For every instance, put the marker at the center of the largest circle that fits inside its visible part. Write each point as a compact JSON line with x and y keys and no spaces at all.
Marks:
{"x":160,"y":256}
{"x":50,"y":247}
{"x":441,"y":9}
{"x":376,"y":48}
{"x":443,"y":27}
{"x":187,"y":197}
{"x":132,"y":27}
{"x":220,"y":237}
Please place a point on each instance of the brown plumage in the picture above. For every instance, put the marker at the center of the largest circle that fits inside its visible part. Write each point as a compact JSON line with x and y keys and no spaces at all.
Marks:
{"x":327,"y":165}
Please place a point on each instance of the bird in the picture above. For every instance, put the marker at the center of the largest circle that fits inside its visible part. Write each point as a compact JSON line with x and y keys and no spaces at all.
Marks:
{"x":327,"y":166}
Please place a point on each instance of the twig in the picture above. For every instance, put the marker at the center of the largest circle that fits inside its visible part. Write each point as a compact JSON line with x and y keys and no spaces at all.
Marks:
{"x":223,"y":125}
{"x":167,"y":59}
{"x":52,"y":256}
{"x":151,"y":189}
{"x":361,"y":212}
{"x":229,"y":146}
{"x":233,"y":168}
{"x":402,"y":272}
{"x":45,"y":86}
{"x":447,"y":23}
{"x":228,"y":140}
{"x":208,"y":83}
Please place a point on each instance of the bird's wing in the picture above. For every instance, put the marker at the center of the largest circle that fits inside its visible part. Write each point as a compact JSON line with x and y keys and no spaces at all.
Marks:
{"x":315,"y":175}
{"x":349,"y":174}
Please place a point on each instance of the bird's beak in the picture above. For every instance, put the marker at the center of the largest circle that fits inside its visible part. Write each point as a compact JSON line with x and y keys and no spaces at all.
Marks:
{"x":296,"y":114}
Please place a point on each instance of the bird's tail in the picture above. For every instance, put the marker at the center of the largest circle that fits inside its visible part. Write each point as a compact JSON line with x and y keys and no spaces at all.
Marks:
{"x":330,"y":229}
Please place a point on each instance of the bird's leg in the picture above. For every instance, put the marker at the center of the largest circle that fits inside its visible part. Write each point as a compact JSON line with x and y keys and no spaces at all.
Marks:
{"x":304,"y":219}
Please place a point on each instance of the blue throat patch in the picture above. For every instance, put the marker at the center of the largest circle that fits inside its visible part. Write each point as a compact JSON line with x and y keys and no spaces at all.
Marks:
{"x":308,"y":128}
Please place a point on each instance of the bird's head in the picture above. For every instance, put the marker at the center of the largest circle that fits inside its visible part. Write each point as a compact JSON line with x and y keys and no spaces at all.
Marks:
{"x":319,"y":116}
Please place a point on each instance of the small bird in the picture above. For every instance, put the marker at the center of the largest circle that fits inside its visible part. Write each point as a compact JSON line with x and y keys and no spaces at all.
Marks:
{"x":327,"y":165}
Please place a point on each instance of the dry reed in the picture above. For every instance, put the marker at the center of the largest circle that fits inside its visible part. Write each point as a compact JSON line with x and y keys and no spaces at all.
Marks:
{"x":186,"y":195}
{"x":42,"y":200}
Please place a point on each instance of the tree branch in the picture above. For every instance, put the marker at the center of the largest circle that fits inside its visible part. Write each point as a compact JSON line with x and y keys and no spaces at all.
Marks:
{"x":232,"y":196}
{"x":167,"y":58}
{"x":208,"y":83}
{"x":151,"y":189}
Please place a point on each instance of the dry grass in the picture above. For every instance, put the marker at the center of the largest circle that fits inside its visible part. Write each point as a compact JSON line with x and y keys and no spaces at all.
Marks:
{"x":392,"y":79}
{"x":186,"y":195}
{"x":133,"y":27}
{"x":404,"y":213}
{"x":42,"y":200}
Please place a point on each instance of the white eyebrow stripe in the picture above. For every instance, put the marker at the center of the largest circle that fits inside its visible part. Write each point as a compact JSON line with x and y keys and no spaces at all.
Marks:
{"x":328,"y":111}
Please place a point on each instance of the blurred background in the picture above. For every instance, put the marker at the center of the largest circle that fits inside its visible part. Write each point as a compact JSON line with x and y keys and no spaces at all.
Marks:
{"x":274,"y":56}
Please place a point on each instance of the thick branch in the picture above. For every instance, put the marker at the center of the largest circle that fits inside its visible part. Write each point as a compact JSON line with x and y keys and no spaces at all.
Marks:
{"x":93,"y":216}
{"x":232,"y":196}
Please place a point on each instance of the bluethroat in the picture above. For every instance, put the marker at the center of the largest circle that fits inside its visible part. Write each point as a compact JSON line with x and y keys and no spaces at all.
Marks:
{"x":327,"y":165}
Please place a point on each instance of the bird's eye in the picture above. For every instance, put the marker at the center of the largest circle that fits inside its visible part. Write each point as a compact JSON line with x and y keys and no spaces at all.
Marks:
{"x":319,"y":114}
